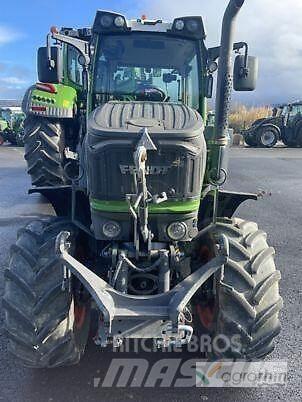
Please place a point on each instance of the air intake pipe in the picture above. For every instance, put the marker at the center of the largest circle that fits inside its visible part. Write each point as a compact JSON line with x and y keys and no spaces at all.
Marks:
{"x":218,"y":170}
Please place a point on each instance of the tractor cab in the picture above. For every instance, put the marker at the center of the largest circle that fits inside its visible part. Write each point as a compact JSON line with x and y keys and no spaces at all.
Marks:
{"x":148,"y":61}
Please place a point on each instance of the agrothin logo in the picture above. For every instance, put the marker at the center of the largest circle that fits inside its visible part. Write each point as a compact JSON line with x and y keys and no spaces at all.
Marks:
{"x":202,"y":378}
{"x":241,"y":374}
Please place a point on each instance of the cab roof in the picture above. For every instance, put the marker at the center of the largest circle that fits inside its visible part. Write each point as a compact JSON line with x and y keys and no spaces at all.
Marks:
{"x":107,"y":22}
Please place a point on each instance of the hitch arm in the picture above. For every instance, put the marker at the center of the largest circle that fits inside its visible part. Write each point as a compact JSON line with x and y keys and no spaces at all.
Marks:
{"x":116,"y":305}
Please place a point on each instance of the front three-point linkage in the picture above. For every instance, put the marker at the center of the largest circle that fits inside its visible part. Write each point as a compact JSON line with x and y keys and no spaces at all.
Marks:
{"x":139,"y":202}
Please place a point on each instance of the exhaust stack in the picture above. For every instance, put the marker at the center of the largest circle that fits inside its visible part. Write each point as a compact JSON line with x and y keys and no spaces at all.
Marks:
{"x":224,"y":90}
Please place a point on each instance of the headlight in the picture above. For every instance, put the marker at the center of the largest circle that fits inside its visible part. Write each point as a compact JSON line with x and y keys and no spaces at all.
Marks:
{"x":111,"y":229}
{"x":119,"y":22}
{"x":212,"y":67}
{"x":192,"y":26}
{"x":177,"y":230}
{"x":106,"y":21}
{"x":179,"y":25}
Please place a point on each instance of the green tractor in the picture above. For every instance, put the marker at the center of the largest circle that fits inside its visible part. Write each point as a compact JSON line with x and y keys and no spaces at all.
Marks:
{"x":285,"y":125}
{"x":11,"y":125}
{"x":3,"y":127}
{"x":144,"y":234}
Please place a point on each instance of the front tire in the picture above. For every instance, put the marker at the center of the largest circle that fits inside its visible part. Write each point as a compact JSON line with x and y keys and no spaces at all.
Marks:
{"x":41,"y":319}
{"x":44,"y":151}
{"x":251,"y":140}
{"x":299,"y":133}
{"x":288,"y":142}
{"x":247,"y":293}
{"x":20,"y":139}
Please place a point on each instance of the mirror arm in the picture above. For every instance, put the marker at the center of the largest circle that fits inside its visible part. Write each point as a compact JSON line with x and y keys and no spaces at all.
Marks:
{"x":245,"y":71}
{"x":51,"y":62}
{"x":213,"y":53}
{"x":81,"y":45}
{"x":237,"y":47}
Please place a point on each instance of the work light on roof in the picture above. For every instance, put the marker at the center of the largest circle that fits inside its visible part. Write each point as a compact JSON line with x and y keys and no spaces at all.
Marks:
{"x":106,"y":21}
{"x":119,"y":22}
{"x":192,"y":26}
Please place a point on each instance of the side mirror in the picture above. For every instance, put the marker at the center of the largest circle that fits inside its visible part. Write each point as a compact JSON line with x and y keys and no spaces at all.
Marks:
{"x":46,"y":73}
{"x":245,"y":73}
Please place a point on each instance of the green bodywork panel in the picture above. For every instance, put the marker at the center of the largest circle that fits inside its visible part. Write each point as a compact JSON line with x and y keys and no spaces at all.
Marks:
{"x":3,"y":125}
{"x":65,"y":97}
{"x":168,"y":207}
{"x":61,"y":104}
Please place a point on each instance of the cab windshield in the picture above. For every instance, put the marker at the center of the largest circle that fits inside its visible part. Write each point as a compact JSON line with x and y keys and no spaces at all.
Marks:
{"x":147,"y":67}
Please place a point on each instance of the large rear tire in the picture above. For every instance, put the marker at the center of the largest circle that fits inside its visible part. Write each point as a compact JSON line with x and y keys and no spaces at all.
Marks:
{"x":247,"y":293}
{"x":46,"y":326}
{"x":44,"y":151}
{"x":267,"y":137}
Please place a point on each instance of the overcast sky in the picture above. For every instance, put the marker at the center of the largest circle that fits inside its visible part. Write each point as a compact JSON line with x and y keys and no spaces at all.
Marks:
{"x":273,"y":29}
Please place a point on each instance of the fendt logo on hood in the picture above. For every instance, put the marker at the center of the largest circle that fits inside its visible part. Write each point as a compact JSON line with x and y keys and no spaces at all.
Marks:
{"x":150,"y":170}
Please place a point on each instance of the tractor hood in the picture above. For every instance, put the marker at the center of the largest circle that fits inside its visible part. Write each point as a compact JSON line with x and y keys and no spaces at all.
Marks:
{"x":269,"y":120}
{"x":174,"y":168}
{"x":159,"y":118}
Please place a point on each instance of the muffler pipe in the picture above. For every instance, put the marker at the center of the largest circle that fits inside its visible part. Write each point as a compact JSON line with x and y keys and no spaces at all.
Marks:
{"x":224,"y":91}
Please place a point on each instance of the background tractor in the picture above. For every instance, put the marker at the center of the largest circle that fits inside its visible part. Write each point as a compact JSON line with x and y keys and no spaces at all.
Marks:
{"x":116,"y":141}
{"x":11,"y":125}
{"x":285,"y":125}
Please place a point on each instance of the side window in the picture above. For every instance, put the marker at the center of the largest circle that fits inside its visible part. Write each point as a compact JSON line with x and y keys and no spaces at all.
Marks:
{"x":75,"y":69}
{"x":293,"y":113}
{"x":193,"y":84}
{"x":284,"y":111}
{"x":299,"y":109}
